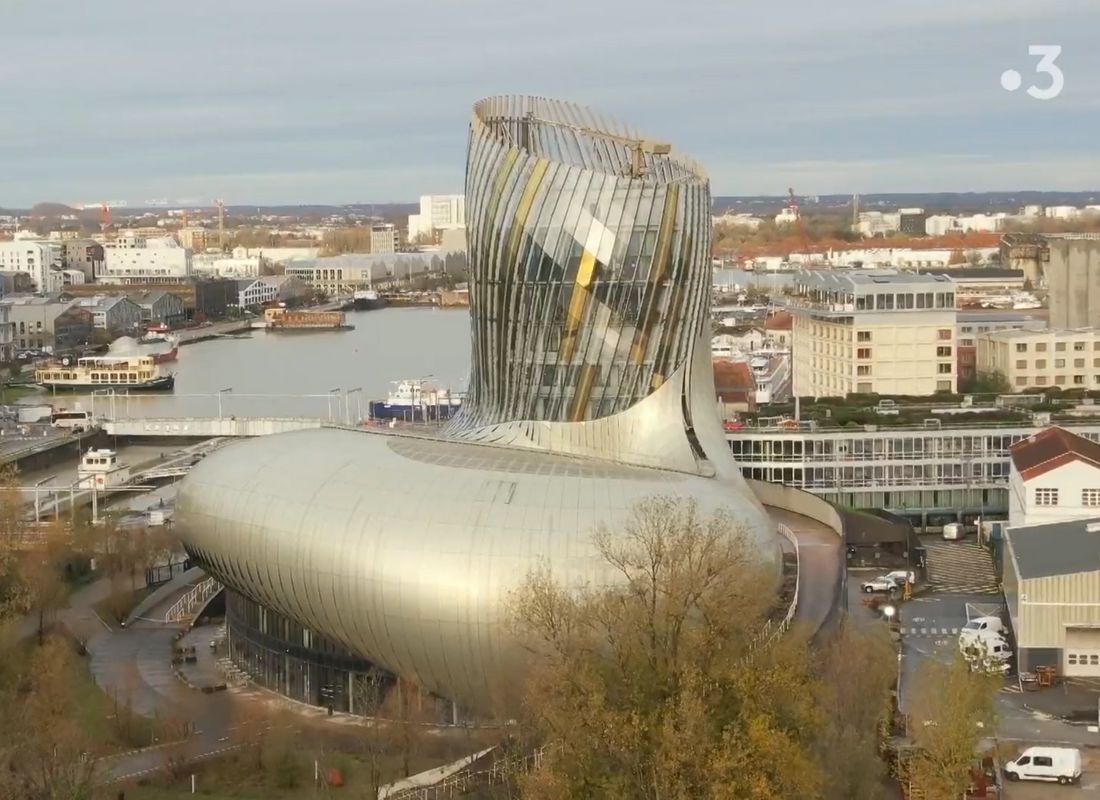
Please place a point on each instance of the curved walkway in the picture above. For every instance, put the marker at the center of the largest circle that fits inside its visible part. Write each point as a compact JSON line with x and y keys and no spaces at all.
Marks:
{"x":821,"y":567}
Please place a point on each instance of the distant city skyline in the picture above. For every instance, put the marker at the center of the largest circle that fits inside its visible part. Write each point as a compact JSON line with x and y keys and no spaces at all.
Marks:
{"x":347,"y":103}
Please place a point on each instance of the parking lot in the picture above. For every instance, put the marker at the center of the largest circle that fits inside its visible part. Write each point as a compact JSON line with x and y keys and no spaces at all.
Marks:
{"x":962,"y":585}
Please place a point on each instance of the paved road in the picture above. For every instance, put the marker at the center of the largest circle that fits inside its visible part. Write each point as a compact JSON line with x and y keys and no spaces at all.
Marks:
{"x":135,"y":663}
{"x":821,"y":556}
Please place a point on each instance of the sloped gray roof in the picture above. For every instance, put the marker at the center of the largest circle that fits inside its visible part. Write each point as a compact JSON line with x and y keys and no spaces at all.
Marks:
{"x":1056,"y":548}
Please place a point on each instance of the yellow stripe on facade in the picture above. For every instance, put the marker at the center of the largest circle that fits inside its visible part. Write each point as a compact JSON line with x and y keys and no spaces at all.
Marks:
{"x":587,"y":379}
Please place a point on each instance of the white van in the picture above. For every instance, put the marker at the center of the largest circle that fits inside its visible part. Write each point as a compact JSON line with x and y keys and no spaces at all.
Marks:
{"x":952,"y":531}
{"x":1062,"y":764}
{"x":991,"y":624}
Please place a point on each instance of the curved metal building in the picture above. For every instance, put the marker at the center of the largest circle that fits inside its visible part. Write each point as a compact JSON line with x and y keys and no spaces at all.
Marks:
{"x":591,"y":250}
{"x":591,"y":389}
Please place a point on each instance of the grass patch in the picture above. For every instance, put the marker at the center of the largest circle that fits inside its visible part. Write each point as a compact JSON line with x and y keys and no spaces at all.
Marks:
{"x":110,"y":726}
{"x":116,"y":606}
{"x":10,"y":394}
{"x":281,"y":767}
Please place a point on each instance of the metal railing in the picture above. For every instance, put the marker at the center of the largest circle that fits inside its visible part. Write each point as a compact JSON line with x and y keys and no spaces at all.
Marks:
{"x":460,"y":784}
{"x":185,"y":608}
{"x":788,"y":534}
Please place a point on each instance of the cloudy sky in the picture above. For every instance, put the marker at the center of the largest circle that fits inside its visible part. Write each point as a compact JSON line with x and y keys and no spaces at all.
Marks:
{"x":267,"y":101}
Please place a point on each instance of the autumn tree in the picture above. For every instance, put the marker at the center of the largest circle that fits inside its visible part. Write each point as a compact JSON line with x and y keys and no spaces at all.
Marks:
{"x":44,"y":753}
{"x":42,"y":575}
{"x":406,"y":716}
{"x":658,"y":683}
{"x":950,"y":712}
{"x":854,"y":696}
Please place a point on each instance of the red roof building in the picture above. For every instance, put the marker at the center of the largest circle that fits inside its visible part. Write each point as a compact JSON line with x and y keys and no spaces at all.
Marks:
{"x":1055,"y":476}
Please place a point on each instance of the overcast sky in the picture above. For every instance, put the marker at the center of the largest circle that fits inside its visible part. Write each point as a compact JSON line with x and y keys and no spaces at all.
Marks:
{"x":332,"y":101}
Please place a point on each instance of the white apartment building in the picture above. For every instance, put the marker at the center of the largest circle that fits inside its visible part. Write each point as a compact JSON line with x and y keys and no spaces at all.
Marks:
{"x":738,"y":220}
{"x":883,"y":257}
{"x":1061,"y":212}
{"x":878,"y":223}
{"x":219,"y":265}
{"x":41,"y":259}
{"x":1055,"y":475}
{"x":7,"y":335}
{"x":384,"y":239}
{"x":941,"y":224}
{"x":277,"y":255}
{"x":872,"y":332}
{"x":135,"y":259}
{"x":255,"y":292}
{"x":1069,"y":359}
{"x":438,"y":212}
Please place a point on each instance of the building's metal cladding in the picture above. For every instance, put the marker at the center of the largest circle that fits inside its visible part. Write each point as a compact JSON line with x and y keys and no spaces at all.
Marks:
{"x":590,"y":248}
{"x":406,"y":549}
{"x":591,"y":389}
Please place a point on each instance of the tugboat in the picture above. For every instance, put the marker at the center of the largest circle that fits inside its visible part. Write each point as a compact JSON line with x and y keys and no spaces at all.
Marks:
{"x":367,"y":300}
{"x":416,"y":401}
{"x":101,"y":469}
{"x":140,"y":373}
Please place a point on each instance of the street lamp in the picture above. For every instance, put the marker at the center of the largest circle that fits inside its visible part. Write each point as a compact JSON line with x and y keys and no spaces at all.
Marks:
{"x":220,"y":393}
{"x":328,"y":399}
{"x":358,"y":392}
{"x":37,"y":507}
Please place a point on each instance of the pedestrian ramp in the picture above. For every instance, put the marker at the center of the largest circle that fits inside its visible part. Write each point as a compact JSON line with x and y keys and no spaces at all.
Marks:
{"x":960,"y":568}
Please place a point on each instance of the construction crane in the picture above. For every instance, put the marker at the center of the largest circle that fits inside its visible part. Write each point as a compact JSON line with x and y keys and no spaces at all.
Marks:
{"x":639,"y":148}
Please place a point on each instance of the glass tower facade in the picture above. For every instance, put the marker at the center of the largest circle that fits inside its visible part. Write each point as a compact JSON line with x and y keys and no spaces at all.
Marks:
{"x":589,"y":248}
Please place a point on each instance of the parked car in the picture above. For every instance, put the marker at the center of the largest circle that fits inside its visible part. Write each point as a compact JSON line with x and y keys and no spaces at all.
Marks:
{"x":1062,"y":764}
{"x":953,"y":531}
{"x":885,"y":583}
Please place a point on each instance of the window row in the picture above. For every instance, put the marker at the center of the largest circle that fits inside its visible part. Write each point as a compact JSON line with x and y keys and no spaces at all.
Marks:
{"x":1049,"y":497}
{"x":1059,"y":347}
{"x":1059,"y":363}
{"x":1059,"y":380}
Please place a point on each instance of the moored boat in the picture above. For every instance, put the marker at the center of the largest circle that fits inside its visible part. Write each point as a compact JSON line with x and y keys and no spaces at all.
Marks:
{"x":367,"y":300}
{"x":139,"y":373}
{"x":163,"y":349}
{"x":416,"y":401}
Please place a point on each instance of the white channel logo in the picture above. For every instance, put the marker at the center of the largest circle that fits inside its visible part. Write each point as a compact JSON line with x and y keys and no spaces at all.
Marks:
{"x":1011,"y":80}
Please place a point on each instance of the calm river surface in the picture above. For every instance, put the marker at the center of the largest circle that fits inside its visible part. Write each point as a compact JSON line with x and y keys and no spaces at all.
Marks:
{"x":274,"y":374}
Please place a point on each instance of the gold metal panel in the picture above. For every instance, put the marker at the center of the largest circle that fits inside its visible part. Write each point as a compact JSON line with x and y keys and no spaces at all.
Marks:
{"x":585,"y":383}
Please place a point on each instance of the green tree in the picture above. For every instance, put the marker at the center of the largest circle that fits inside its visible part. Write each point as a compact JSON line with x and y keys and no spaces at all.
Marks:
{"x":993,"y":382}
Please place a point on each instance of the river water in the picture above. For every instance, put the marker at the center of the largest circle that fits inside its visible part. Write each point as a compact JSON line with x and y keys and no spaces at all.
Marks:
{"x":292,"y":374}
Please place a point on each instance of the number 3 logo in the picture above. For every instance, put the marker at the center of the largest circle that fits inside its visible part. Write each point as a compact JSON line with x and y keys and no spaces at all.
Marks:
{"x":1048,"y":53}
